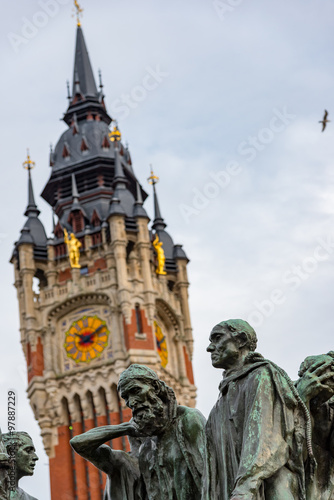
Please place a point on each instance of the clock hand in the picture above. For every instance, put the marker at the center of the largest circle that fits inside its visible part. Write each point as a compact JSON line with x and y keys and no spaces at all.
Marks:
{"x":85,"y":338}
{"x":98,"y":329}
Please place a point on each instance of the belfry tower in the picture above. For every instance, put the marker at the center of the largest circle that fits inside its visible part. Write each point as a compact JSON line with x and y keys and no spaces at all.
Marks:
{"x":112,"y":289}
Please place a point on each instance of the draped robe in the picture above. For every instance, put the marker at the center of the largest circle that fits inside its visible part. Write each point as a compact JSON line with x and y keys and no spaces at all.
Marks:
{"x":255,"y":437}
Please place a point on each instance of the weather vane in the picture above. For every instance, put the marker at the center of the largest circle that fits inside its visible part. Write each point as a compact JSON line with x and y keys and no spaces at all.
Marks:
{"x":28,"y":164}
{"x":115,"y":134}
{"x":152,"y":179}
{"x":78,"y":11}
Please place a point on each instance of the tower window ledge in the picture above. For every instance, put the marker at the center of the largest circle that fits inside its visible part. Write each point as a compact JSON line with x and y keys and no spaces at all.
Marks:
{"x":140,"y":336}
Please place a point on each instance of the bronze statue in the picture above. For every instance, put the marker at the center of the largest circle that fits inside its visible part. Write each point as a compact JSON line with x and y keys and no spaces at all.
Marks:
{"x":20,"y":444}
{"x":256,"y":431}
{"x":167,"y":441}
{"x":316,"y":387}
{"x":73,"y":247}
{"x":4,"y":469}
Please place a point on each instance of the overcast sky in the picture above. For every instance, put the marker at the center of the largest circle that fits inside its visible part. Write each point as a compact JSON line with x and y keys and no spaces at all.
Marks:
{"x":231,"y":128}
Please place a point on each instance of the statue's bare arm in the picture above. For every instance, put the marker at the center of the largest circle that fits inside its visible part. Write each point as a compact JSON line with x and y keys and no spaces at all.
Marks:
{"x":90,"y":445}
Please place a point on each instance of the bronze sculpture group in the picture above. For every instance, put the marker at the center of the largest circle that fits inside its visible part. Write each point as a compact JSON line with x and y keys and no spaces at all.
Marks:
{"x":267,"y":438}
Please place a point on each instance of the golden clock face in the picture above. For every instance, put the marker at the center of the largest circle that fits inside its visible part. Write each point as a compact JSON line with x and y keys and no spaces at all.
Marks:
{"x":86,"y":339}
{"x":161,"y":344}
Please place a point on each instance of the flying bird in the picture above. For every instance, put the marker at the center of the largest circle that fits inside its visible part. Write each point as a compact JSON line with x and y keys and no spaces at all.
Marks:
{"x":324,"y":121}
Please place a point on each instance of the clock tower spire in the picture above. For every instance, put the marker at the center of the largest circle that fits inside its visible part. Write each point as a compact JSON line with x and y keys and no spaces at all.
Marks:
{"x":100,"y":304}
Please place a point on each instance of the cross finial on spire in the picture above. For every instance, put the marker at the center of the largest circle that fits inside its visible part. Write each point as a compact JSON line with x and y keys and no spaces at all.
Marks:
{"x":78,"y":11}
{"x":69,"y":97}
{"x":153,"y":179}
{"x":28,"y":164}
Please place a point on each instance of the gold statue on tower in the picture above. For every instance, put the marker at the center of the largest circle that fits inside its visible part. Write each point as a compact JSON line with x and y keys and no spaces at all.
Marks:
{"x":153,"y":179}
{"x":160,"y":255}
{"x":73,"y":247}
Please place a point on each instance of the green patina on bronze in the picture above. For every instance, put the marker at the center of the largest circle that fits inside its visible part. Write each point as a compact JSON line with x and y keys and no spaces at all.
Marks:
{"x":262,"y":440}
{"x":316,"y":387}
{"x":167,"y":441}
{"x":21,"y":451}
{"x":4,"y":468}
{"x":256,"y":431}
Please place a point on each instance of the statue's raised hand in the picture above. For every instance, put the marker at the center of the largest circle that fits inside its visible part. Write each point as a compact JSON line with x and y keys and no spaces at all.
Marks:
{"x":317,"y":381}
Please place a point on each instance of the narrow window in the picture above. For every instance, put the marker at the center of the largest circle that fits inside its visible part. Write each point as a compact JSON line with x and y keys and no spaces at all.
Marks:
{"x":138,"y":319}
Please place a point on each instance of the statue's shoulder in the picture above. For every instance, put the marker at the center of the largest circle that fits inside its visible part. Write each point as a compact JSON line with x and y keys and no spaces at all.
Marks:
{"x":190,"y":418}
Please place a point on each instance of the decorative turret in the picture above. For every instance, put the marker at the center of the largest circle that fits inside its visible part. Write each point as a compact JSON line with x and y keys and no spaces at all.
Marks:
{"x":33,"y":231}
{"x":171,"y":251}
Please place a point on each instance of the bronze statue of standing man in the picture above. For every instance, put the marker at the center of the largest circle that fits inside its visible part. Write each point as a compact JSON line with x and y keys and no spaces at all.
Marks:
{"x":256,"y":430}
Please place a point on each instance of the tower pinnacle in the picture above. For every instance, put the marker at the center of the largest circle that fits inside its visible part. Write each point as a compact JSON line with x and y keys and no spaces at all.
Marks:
{"x":86,"y":99}
{"x":33,"y":231}
{"x":158,"y":222}
{"x":32,"y":210}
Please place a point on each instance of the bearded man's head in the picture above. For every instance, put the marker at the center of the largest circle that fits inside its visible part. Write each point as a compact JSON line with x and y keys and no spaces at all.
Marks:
{"x":152,"y":402}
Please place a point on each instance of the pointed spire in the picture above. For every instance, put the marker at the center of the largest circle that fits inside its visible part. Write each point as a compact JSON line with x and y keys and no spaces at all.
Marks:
{"x":138,"y":209}
{"x":32,"y":210}
{"x":75,"y":195}
{"x":158,"y":223}
{"x":86,"y":98}
{"x":76,"y":206}
{"x":83,"y":72}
